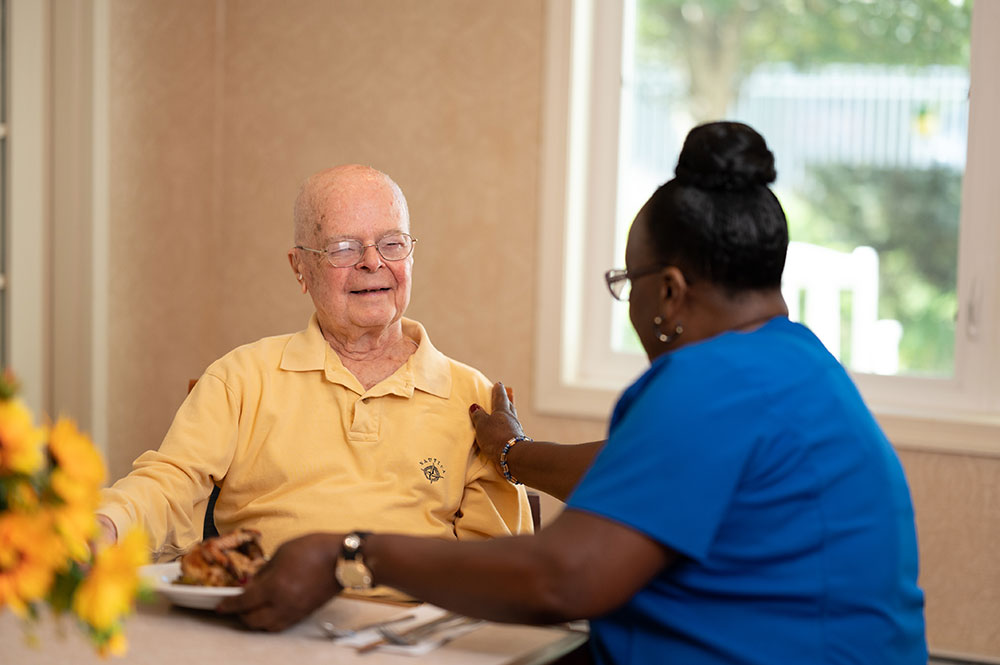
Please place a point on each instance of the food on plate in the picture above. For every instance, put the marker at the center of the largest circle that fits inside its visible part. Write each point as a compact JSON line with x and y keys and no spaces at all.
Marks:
{"x":227,"y":560}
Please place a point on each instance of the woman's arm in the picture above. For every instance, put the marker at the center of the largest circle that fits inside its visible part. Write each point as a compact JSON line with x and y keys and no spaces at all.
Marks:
{"x":554,"y":468}
{"x":580,"y":566}
{"x":550,"y":467}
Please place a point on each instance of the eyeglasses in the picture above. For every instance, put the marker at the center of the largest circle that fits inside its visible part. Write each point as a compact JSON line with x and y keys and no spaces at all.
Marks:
{"x":620,"y":281}
{"x":348,"y":253}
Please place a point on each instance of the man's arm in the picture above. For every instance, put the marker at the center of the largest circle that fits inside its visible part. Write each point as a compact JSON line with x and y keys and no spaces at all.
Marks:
{"x":491,"y":506}
{"x":550,"y":467}
{"x":580,"y":566}
{"x":164,"y":486}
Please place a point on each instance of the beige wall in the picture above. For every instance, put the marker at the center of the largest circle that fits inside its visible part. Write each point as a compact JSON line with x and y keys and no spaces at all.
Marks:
{"x":218,"y":111}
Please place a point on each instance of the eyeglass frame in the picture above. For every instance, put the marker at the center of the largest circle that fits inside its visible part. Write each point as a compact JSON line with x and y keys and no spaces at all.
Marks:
{"x":325,"y":253}
{"x":616,"y":275}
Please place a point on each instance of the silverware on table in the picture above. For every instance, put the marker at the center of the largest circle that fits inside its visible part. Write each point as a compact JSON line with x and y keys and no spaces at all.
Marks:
{"x":416,"y":634}
{"x":335,"y":632}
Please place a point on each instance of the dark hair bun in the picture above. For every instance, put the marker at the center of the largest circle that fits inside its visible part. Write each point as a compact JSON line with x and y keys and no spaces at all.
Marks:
{"x":726,"y":156}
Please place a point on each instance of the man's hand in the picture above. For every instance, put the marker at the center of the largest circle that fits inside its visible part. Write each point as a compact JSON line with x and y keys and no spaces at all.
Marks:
{"x":494,"y":430}
{"x":108,"y":531}
{"x":297,"y":580}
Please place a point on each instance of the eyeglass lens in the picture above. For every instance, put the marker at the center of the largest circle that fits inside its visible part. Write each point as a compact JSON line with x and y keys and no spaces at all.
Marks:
{"x":623,"y":288}
{"x":619,"y":284}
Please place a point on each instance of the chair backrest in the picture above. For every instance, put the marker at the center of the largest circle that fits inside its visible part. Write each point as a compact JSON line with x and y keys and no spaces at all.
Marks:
{"x":208,"y":529}
{"x":535,"y":501}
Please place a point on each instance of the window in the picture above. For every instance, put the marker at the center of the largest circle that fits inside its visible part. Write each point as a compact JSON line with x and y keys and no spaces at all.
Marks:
{"x":865,"y":105}
{"x":874,"y":174}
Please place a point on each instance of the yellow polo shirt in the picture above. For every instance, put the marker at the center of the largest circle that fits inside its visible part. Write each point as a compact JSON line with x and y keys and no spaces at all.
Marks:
{"x":298,"y":445}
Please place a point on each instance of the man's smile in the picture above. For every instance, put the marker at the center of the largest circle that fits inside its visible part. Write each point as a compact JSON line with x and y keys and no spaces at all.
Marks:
{"x":370,"y":290}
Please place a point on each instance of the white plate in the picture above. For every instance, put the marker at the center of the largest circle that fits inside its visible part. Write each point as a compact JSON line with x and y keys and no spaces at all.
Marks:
{"x":161,"y":577}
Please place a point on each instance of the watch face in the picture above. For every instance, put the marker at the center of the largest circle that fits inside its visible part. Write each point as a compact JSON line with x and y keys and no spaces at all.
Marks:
{"x":354,"y":575}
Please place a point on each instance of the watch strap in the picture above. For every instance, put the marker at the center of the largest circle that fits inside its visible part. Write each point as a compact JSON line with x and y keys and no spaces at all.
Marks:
{"x":353,"y":543}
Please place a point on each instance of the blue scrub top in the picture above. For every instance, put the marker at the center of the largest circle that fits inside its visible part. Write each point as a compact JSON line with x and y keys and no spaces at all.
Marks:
{"x":753,"y":457}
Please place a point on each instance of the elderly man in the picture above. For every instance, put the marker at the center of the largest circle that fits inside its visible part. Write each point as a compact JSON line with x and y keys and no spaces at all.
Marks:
{"x":356,"y":422}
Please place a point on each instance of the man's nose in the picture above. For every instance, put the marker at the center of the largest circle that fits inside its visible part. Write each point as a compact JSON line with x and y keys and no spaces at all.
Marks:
{"x":370,"y":260}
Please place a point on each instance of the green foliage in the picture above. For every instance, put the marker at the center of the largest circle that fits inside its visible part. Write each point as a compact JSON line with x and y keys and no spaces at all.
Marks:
{"x":66,"y":583}
{"x":810,"y":32}
{"x":717,"y":43}
{"x":9,"y":385}
{"x":910,"y":217}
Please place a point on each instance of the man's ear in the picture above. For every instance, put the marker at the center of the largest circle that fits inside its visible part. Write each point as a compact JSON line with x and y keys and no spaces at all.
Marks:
{"x":296,"y":269}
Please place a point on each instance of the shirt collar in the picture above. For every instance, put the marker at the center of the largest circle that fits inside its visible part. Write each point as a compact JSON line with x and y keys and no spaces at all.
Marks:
{"x":427,"y":369}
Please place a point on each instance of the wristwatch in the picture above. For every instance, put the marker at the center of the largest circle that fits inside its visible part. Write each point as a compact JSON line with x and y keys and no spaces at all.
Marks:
{"x":352,"y":573}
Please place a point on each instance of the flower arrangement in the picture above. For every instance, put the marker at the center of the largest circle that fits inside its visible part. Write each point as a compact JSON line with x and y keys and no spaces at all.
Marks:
{"x":50,"y":479}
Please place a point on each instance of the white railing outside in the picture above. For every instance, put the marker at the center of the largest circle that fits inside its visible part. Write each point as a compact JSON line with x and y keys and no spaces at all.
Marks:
{"x":859,"y":115}
{"x":813,"y":283}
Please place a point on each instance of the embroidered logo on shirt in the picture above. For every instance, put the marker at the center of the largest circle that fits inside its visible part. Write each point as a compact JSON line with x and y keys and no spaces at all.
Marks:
{"x":432,"y":468}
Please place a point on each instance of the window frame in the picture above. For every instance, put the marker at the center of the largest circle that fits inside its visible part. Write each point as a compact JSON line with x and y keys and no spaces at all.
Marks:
{"x":575,"y":372}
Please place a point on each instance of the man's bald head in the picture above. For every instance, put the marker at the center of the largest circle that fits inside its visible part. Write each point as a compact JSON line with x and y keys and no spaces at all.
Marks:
{"x":338,"y":190}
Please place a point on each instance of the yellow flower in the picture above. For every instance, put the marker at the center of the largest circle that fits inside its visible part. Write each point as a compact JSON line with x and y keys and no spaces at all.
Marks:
{"x":79,"y":470}
{"x":21,"y":443}
{"x":30,"y":555}
{"x":116,"y":645}
{"x":48,"y":498}
{"x":107,"y":593}
{"x":22,"y":496}
{"x":77,"y":524}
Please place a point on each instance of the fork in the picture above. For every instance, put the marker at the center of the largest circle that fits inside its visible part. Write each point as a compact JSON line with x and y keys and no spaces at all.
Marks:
{"x":413,"y":635}
{"x":336,"y":632}
{"x":418,"y":633}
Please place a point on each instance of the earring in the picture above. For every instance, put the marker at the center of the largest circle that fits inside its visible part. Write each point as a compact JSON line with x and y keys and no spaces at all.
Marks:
{"x":299,"y":276}
{"x":662,"y":336}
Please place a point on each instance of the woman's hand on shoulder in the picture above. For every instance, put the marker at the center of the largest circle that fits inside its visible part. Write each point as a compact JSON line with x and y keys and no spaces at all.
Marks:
{"x":496,"y":427}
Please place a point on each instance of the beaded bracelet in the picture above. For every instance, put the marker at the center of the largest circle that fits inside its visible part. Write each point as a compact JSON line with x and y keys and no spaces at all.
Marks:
{"x":503,"y":458}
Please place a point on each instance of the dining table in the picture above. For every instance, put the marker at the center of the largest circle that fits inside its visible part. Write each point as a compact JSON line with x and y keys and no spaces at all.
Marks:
{"x":161,"y":633}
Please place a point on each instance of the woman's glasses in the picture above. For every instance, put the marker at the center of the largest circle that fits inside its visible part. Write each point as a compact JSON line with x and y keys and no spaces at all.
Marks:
{"x":348,"y":253}
{"x":620,"y":281}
